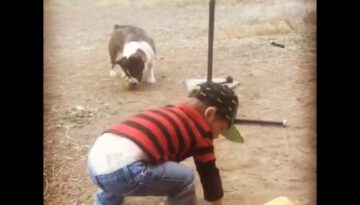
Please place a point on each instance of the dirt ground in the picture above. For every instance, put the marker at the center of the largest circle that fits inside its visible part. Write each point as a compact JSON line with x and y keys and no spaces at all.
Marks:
{"x":81,"y":99}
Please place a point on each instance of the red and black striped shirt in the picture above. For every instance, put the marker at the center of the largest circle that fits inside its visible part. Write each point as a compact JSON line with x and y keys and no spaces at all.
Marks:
{"x":174,"y":133}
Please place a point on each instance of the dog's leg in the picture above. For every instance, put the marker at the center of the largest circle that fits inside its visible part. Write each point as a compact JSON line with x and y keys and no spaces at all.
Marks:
{"x":151,"y":75}
{"x":122,"y":73}
{"x":113,"y":72}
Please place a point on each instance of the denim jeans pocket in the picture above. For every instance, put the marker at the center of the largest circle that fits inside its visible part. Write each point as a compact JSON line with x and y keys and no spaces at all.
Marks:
{"x":119,"y":182}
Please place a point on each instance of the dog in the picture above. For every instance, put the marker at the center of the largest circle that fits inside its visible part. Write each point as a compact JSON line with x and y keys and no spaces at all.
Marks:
{"x":134,"y":51}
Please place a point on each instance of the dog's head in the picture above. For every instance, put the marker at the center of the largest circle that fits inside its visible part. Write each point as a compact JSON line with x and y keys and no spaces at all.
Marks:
{"x":133,"y":66}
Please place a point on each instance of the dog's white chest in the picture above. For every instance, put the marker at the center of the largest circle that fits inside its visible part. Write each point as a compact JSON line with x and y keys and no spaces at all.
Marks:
{"x":131,"y":47}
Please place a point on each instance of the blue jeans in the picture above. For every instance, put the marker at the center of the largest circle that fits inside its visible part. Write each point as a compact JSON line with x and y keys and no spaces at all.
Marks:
{"x":139,"y":178}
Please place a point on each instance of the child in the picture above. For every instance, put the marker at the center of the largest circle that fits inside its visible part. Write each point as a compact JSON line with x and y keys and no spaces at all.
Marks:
{"x":140,"y":156}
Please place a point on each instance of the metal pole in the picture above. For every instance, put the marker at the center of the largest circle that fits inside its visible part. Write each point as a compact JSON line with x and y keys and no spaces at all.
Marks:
{"x":211,"y":39}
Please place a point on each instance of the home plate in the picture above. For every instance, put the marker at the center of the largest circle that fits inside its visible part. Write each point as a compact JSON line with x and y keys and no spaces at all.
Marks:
{"x":279,"y":201}
{"x":189,"y":84}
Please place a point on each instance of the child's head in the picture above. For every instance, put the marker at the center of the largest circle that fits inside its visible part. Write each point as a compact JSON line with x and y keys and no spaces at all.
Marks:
{"x":219,"y":105}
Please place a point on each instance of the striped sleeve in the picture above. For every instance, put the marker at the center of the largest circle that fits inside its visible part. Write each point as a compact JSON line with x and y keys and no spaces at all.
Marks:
{"x":204,"y":154}
{"x":204,"y":158}
{"x":204,"y":151}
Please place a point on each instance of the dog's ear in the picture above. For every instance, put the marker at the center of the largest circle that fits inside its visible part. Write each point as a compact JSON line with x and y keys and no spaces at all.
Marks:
{"x":123,"y":62}
{"x":139,"y":54}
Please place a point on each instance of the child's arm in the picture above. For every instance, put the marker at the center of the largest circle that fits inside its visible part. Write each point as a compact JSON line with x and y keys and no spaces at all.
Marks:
{"x":211,"y":182}
{"x":204,"y":158}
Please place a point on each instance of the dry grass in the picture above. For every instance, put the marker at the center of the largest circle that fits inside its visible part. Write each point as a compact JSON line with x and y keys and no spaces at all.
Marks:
{"x":268,"y":18}
{"x":310,"y":18}
{"x":154,"y":3}
{"x":259,"y":29}
{"x":296,"y":5}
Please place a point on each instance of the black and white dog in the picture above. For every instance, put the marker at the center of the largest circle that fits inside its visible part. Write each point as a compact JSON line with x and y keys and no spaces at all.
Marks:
{"x":134,"y":51}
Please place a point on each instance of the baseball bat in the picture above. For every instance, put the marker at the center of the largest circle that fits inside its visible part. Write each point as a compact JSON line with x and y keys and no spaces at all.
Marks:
{"x":263,"y":122}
